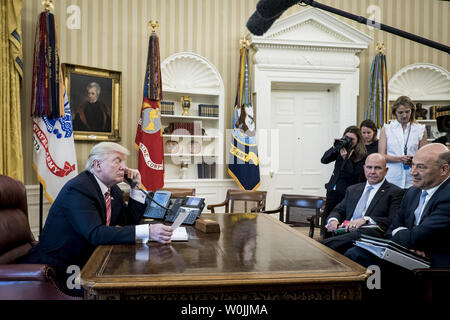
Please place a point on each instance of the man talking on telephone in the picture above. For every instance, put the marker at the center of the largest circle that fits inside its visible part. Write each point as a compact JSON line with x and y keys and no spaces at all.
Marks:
{"x":87,"y":213}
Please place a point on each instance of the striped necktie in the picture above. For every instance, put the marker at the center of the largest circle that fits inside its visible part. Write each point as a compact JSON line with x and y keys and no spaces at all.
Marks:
{"x":108,"y":207}
{"x":418,"y":211}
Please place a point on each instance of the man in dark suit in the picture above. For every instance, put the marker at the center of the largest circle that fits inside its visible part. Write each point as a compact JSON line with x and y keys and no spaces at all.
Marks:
{"x":423,"y":223}
{"x":87,"y":213}
{"x":367,"y":207}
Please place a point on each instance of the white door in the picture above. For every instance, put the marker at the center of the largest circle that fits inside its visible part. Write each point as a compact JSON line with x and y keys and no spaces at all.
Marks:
{"x":306,"y":121}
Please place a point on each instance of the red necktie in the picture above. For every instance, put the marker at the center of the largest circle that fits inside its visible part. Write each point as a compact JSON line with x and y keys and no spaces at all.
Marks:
{"x":108,"y":207}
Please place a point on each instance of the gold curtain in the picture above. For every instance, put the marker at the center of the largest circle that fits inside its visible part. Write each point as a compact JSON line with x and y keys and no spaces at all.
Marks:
{"x":11,"y":157}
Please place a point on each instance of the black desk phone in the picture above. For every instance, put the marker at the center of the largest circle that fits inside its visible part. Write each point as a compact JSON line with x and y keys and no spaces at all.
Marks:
{"x":193,"y":205}
{"x":153,"y":210}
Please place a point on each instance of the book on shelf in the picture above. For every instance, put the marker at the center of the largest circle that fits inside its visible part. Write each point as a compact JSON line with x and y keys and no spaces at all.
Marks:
{"x":187,"y":128}
{"x":208,"y":110}
{"x":428,"y":128}
{"x":167,"y":107}
{"x":393,"y":252}
{"x":206,"y":171}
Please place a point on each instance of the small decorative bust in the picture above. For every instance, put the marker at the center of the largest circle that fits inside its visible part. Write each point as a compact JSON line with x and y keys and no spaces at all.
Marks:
{"x":421,"y":113}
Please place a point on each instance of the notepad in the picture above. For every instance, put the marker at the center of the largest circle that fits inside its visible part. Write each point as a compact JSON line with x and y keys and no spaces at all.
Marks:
{"x":180,"y":234}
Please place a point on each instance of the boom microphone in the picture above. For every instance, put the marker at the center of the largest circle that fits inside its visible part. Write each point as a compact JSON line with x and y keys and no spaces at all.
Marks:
{"x":267,"y":11}
{"x":271,"y":8}
{"x":258,"y":25}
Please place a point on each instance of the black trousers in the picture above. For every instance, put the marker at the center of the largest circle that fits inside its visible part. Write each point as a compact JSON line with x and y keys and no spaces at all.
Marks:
{"x":341,"y":243}
{"x":333,"y":199}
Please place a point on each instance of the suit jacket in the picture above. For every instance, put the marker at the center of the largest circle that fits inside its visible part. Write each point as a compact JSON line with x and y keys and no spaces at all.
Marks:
{"x":382,"y":209}
{"x":432,"y":233}
{"x":345,"y":172}
{"x":76,"y":224}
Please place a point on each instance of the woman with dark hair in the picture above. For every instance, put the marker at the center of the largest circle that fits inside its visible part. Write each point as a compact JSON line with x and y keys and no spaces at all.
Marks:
{"x":348,"y":167}
{"x":369,"y":134}
{"x":399,"y":141}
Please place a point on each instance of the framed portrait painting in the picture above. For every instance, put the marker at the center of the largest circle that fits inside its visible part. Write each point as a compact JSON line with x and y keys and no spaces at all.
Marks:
{"x":95,"y":102}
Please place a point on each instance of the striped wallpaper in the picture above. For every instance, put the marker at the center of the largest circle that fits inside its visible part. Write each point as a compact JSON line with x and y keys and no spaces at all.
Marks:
{"x":113,"y":35}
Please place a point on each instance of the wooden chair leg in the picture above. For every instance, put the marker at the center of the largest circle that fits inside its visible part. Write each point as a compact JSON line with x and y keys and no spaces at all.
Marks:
{"x":311,"y":227}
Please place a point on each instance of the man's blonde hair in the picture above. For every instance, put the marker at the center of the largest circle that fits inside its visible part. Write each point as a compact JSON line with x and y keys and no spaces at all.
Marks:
{"x":103,"y":149}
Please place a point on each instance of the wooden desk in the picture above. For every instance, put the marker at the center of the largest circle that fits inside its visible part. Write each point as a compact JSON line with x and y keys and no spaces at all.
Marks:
{"x":254,"y":256}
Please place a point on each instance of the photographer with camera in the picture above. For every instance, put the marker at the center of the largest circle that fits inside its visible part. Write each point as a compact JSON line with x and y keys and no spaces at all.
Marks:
{"x":349,"y":154}
{"x":399,"y":141}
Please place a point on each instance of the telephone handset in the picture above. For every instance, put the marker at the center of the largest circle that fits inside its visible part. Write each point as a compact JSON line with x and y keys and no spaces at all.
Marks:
{"x":131,"y":182}
{"x":193,"y":205}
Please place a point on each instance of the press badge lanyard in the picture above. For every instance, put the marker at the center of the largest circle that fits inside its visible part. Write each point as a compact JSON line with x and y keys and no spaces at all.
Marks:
{"x":405,"y":149}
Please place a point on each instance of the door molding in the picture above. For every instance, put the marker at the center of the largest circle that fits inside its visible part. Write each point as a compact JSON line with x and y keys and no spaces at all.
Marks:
{"x":310,"y":47}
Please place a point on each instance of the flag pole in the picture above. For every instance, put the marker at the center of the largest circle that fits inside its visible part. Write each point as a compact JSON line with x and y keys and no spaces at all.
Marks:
{"x":149,"y":141}
{"x":41,"y":211}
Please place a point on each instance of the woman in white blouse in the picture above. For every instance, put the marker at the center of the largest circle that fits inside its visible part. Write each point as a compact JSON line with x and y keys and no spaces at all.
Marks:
{"x":400,"y":140}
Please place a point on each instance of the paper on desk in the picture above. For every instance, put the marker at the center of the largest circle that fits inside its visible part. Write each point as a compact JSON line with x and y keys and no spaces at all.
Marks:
{"x":182,"y":215}
{"x":180,"y":234}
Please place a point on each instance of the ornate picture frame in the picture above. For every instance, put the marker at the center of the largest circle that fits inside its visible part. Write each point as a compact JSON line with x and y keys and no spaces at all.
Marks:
{"x":95,"y":97}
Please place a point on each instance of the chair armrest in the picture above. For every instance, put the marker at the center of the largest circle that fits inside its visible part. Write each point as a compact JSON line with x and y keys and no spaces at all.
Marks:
{"x":212,"y":206}
{"x":30,"y":282}
{"x":256,"y":209}
{"x":274,"y":211}
{"x":26,"y":272}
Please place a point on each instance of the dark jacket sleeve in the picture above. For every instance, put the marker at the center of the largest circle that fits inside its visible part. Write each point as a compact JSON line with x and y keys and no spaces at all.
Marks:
{"x":400,"y":219}
{"x":131,"y":213}
{"x":393,"y":206}
{"x":85,"y":219}
{"x":432,"y":233}
{"x":340,"y":210}
{"x":330,"y":155}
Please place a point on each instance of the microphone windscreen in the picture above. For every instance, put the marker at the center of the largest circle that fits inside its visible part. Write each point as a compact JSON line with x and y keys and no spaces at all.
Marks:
{"x":271,"y":8}
{"x":258,"y":25}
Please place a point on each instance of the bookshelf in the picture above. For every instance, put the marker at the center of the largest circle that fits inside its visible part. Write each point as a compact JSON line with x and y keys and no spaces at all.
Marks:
{"x":194,"y":137}
{"x":192,"y":122}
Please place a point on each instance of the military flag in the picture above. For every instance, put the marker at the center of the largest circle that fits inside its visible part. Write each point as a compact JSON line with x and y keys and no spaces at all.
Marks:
{"x":149,"y":135}
{"x":377,"y":109}
{"x":54,"y":157}
{"x":243,"y":162}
